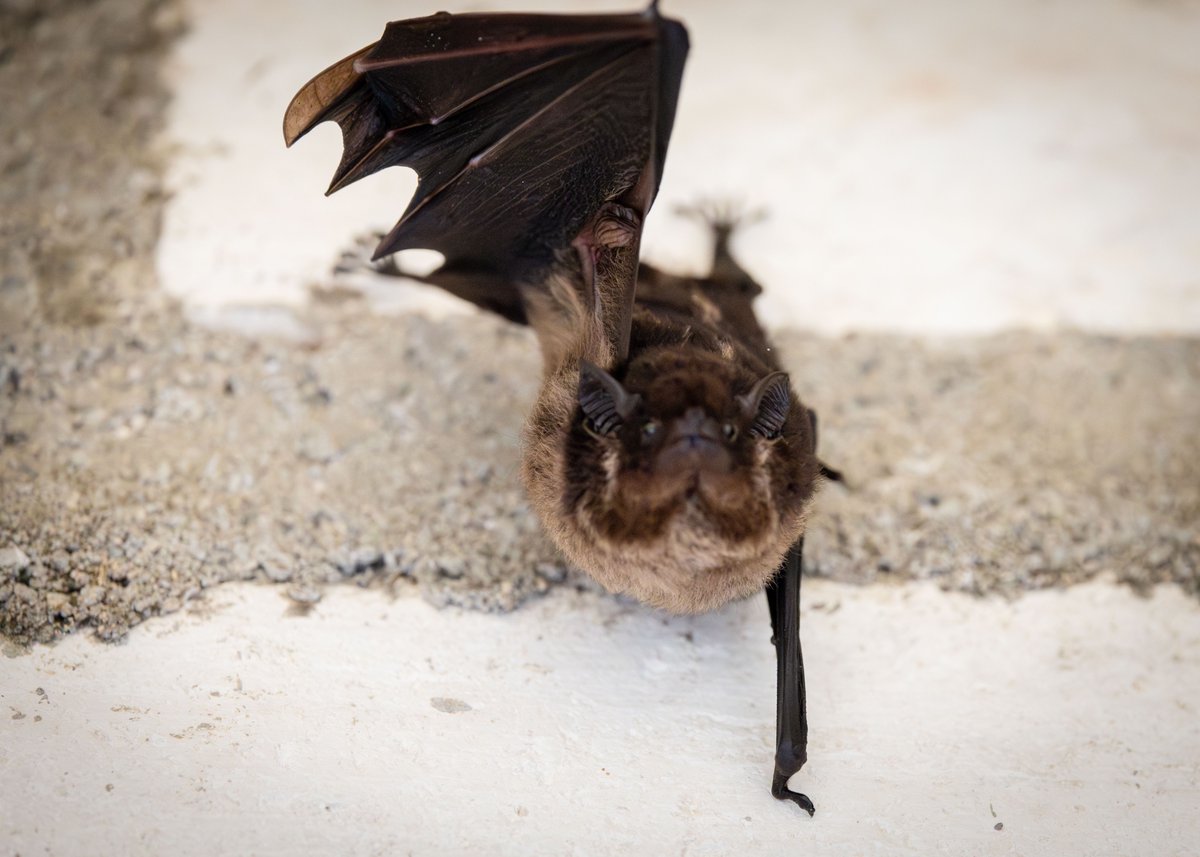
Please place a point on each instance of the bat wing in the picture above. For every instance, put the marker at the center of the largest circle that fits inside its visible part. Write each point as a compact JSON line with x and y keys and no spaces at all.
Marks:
{"x":520,"y":127}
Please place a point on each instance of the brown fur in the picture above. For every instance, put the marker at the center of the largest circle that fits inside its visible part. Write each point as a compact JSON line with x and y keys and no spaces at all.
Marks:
{"x":682,"y":541}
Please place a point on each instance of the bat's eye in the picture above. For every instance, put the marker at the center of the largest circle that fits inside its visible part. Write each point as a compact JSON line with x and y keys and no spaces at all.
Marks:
{"x":729,"y":430}
{"x":650,"y":430}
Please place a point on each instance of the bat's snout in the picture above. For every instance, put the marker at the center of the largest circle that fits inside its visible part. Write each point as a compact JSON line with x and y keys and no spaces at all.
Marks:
{"x":695,"y":443}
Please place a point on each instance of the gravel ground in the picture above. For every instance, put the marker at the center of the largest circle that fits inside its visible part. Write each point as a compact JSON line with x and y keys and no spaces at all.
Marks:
{"x":144,"y":459}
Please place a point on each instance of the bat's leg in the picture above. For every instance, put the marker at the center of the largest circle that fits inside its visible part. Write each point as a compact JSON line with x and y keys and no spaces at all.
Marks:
{"x":791,"y":719}
{"x":724,"y":219}
{"x":728,"y":286}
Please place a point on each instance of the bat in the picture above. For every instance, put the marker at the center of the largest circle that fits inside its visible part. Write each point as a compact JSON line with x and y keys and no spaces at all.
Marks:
{"x":666,"y":454}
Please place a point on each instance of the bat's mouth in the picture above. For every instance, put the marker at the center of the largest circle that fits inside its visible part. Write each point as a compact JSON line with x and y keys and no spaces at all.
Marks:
{"x":694,"y":444}
{"x":693,"y":454}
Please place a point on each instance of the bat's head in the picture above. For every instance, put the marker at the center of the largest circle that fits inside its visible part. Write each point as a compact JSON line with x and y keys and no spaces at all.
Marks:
{"x":692,"y":472}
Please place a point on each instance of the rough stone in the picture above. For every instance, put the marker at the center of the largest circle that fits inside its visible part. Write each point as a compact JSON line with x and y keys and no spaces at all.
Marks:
{"x":13,"y":560}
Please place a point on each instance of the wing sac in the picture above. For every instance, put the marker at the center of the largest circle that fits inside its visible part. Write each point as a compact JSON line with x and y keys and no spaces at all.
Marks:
{"x":519,"y":126}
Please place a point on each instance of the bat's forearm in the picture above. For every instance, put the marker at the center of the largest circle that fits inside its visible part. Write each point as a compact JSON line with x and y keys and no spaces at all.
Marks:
{"x":791,"y":717}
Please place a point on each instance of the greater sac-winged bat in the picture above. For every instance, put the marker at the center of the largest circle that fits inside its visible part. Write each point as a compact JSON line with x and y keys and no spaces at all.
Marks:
{"x":666,"y":454}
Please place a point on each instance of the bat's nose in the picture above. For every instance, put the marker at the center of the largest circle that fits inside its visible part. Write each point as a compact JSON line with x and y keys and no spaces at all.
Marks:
{"x":694,"y":443}
{"x":695,"y":425}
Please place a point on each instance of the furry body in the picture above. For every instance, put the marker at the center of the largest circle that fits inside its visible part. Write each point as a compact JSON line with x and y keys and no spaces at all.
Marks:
{"x":682,"y":539}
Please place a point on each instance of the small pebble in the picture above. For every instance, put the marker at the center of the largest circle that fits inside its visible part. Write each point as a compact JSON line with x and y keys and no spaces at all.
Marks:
{"x":13,"y":559}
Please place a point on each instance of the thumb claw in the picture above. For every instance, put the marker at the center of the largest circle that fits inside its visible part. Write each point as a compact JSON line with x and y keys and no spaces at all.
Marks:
{"x":781,"y":791}
{"x":800,"y":800}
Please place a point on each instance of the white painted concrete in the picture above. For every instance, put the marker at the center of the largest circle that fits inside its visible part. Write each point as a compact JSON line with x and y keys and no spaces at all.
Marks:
{"x":583,"y":725}
{"x":931,"y":166}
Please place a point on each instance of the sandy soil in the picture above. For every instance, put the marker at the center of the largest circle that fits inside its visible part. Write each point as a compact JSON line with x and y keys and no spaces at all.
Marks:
{"x":146,"y":459}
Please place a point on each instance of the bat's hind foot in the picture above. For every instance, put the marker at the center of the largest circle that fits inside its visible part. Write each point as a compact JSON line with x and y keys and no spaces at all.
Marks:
{"x":724,"y":217}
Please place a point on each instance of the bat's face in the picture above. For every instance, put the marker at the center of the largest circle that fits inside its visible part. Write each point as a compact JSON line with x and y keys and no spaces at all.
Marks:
{"x":691,"y":475}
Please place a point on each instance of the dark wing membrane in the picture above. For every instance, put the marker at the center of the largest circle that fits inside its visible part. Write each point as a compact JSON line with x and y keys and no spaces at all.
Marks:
{"x":518,"y":126}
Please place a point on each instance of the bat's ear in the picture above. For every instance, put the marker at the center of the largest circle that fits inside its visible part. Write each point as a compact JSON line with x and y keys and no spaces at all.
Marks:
{"x":605,"y":403}
{"x":766,"y":405}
